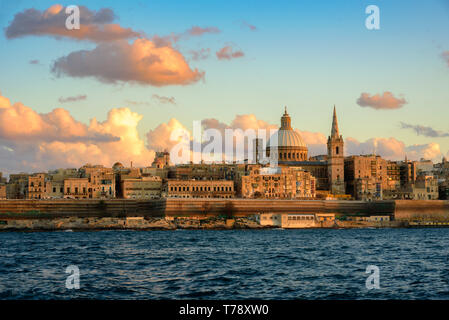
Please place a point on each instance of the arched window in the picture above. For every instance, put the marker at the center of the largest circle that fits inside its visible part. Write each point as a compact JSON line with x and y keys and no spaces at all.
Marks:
{"x":337,"y":149}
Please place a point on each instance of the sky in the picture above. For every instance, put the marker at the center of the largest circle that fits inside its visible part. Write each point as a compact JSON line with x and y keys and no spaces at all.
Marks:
{"x":136,"y":71}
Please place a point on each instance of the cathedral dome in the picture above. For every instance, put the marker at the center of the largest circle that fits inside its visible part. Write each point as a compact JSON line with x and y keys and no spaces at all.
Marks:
{"x":286,"y":138}
{"x":289,"y":144}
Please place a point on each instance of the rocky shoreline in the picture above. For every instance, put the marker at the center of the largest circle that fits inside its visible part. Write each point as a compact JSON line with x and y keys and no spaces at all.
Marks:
{"x":169,"y":223}
{"x":127,"y":223}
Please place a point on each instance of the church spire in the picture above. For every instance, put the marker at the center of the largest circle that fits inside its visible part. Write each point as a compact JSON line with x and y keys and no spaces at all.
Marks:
{"x":334,"y":132}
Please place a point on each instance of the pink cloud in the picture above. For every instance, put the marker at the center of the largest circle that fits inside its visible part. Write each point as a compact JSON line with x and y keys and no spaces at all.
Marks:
{"x":227,"y":53}
{"x":21,"y":123}
{"x":385,"y":101}
{"x":445,"y":56}
{"x":96,"y":26}
{"x":34,"y":141}
{"x":201,"y":54}
{"x":159,"y":138}
{"x":140,"y":62}
{"x":198,"y":31}
{"x":393,"y":149}
{"x":249,"y":26}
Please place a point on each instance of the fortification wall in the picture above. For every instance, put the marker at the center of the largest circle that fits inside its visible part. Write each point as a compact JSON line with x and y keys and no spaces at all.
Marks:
{"x":82,"y":208}
{"x":401,"y":209}
{"x":432,"y":210}
{"x":243,"y":207}
{"x":186,"y":207}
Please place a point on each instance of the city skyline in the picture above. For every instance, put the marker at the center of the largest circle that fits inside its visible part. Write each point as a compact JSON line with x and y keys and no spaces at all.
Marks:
{"x":237,"y":68}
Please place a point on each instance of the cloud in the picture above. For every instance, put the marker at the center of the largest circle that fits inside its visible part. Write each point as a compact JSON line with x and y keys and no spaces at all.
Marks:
{"x":227,"y":53}
{"x":35,"y":61}
{"x":22,"y":124}
{"x":389,"y":148}
{"x":72,"y":99}
{"x":137,"y":103}
{"x":424,"y":131}
{"x":315,"y":141}
{"x":445,"y":56}
{"x":159,"y":138}
{"x":164,"y":100}
{"x":96,"y":26}
{"x":37,"y":142}
{"x":201,"y":54}
{"x":393,"y":149}
{"x":198,"y":31}
{"x":194,"y":31}
{"x":424,"y":151}
{"x":248,"y":26}
{"x":141,"y":62}
{"x":385,"y":101}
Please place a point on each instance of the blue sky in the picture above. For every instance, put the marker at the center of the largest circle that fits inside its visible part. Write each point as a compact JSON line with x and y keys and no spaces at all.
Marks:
{"x":308,"y":55}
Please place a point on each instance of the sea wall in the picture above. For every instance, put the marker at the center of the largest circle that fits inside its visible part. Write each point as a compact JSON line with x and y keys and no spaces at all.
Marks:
{"x":81,"y":208}
{"x":187,"y":207}
{"x":243,"y":207}
{"x":419,"y":210}
{"x":399,"y":209}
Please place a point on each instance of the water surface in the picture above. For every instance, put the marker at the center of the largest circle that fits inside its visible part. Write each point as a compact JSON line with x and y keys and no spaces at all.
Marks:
{"x":236,"y":264}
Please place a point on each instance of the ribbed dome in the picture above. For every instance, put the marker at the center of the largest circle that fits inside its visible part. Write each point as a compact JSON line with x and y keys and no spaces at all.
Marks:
{"x":286,"y":138}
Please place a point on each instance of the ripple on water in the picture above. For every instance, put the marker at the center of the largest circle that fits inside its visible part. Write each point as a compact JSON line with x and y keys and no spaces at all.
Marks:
{"x":236,"y":264}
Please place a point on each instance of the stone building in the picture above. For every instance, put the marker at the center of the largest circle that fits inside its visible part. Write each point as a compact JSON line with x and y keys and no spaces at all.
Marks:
{"x":154,"y":171}
{"x":200,"y":171}
{"x":199,"y":189}
{"x":278,"y":183}
{"x":142,"y":188}
{"x":408,"y":173}
{"x":121,"y":173}
{"x":365,"y":176}
{"x":56,"y":188}
{"x":2,"y":186}
{"x":2,"y":191}
{"x":101,"y":181}
{"x":2,"y":179}
{"x":161,"y":160}
{"x":426,"y":188}
{"x":17,"y":186}
{"x":76,"y":188}
{"x":38,"y":184}
{"x":393,"y":175}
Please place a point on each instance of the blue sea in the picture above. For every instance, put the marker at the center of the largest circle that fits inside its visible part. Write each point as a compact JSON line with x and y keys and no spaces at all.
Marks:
{"x":233,"y":264}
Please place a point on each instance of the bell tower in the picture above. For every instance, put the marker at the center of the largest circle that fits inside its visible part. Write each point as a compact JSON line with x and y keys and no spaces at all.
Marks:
{"x":335,"y":159}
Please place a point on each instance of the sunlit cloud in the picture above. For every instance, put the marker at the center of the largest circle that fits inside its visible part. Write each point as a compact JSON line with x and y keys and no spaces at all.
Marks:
{"x":140,"y":62}
{"x":386,"y":101}
{"x":97,"y":26}
{"x":228,"y":53}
